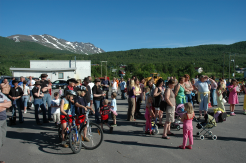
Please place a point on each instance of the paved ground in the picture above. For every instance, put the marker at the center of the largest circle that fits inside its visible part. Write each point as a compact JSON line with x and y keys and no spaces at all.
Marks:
{"x":28,"y":142}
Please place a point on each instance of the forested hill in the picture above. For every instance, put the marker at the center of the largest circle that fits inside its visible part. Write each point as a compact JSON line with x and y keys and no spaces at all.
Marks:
{"x":202,"y":53}
{"x":210,"y":57}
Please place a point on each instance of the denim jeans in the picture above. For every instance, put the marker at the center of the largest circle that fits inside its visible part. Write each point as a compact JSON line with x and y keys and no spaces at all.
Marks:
{"x":15,"y":106}
{"x":189,"y":98}
{"x":47,"y":99}
{"x":72,"y":107}
{"x":213,"y":97}
{"x":38,"y":103}
{"x":97,"y":105}
{"x":123,"y":94}
{"x":25,"y":99}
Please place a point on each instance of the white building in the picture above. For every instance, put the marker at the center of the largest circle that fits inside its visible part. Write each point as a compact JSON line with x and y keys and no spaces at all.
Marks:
{"x":55,"y":69}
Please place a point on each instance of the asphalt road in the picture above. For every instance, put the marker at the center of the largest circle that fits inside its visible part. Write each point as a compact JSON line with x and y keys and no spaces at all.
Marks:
{"x":28,"y":142}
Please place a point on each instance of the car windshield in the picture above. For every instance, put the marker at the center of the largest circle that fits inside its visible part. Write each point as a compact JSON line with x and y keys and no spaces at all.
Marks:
{"x":56,"y":82}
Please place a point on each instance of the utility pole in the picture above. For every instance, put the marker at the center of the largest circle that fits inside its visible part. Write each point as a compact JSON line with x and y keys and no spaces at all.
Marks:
{"x":229,"y":67}
{"x":223,"y":66}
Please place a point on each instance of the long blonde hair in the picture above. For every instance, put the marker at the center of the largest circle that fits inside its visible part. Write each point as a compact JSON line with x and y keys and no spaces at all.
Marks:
{"x":149,"y":103}
{"x":189,"y":108}
{"x":132,"y":84}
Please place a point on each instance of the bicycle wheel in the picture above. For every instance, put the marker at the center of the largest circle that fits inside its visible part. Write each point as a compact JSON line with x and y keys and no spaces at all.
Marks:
{"x":59,"y":133}
{"x":75,"y":141}
{"x":94,"y":135}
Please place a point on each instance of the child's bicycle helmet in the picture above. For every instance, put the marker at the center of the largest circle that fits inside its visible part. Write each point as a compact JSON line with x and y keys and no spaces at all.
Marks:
{"x":70,"y":92}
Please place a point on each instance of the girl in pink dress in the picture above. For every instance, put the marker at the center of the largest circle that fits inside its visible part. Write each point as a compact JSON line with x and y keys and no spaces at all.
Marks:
{"x":187,"y":126}
{"x":233,"y":99}
{"x":149,"y":114}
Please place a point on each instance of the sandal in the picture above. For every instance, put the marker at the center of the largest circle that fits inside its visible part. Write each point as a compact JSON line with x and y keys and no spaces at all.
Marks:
{"x":165,"y":137}
{"x":172,"y":134}
{"x":181,"y":147}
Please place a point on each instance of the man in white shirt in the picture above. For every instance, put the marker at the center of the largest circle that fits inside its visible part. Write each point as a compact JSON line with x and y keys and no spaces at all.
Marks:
{"x":114,"y":85}
{"x":30,"y":83}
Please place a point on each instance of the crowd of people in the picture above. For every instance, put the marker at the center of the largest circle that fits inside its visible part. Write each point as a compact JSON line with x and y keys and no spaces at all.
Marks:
{"x":80,"y":96}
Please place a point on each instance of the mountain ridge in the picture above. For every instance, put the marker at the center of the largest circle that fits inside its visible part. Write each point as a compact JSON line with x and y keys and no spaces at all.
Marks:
{"x":58,"y":43}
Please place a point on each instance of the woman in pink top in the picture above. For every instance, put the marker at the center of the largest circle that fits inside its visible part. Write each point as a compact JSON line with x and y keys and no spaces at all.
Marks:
{"x":187,"y":126}
{"x":233,"y":99}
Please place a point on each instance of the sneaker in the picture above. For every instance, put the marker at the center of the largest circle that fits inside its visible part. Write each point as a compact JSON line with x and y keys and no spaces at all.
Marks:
{"x":25,"y":111}
{"x":232,"y":114}
{"x":113,"y":125}
{"x":64,"y":144}
{"x":86,"y":139}
{"x":111,"y":130}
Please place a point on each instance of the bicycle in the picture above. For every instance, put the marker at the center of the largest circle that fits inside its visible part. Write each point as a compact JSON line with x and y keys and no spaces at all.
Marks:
{"x":72,"y":135}
{"x":93,"y":132}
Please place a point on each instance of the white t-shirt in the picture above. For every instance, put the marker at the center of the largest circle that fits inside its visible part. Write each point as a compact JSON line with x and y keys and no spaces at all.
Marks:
{"x":32,"y":83}
{"x":25,"y":91}
{"x":91,"y":86}
{"x":113,"y":103}
{"x":114,"y":85}
{"x":55,"y":110}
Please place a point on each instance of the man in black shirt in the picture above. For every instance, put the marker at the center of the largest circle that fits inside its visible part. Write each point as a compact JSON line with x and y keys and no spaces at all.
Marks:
{"x":105,"y":85}
{"x":45,"y":86}
{"x":15,"y":95}
{"x":88,"y":92}
{"x":38,"y":102}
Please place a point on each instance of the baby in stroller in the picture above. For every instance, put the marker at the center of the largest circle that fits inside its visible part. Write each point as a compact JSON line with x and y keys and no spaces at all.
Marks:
{"x":206,"y":127}
{"x":179,"y":113}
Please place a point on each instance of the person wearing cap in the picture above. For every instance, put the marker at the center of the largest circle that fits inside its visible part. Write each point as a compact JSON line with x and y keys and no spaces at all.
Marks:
{"x":105,"y":86}
{"x":71,"y":86}
{"x":81,"y":107}
{"x":88,"y":93}
{"x":38,"y":102}
{"x":97,"y":98}
{"x":45,"y":86}
{"x":202,"y":86}
{"x":15,"y":95}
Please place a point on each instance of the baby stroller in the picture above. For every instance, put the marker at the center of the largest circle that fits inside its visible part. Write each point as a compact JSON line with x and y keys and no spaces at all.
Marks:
{"x":155,"y":129}
{"x":179,"y":113}
{"x":206,"y":126}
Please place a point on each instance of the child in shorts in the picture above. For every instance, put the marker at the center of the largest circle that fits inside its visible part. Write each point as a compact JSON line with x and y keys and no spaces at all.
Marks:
{"x":114,"y":108}
{"x":55,"y":108}
{"x":104,"y":111}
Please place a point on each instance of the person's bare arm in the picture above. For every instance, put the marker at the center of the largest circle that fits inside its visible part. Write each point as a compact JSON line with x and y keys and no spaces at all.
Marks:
{"x":167,"y":96}
{"x":6,"y":104}
{"x":176,"y":90}
{"x":183,"y":117}
{"x":80,"y":106}
{"x":155,"y":93}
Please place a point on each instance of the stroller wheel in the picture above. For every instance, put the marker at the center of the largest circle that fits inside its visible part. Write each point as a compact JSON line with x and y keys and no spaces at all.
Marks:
{"x":198,"y":133}
{"x":214,"y":137}
{"x":172,"y":126}
{"x":202,"y":137}
{"x":178,"y":127}
{"x":155,"y":131}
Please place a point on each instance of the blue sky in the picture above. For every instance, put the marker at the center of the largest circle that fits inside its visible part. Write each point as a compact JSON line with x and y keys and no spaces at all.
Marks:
{"x":115,"y":25}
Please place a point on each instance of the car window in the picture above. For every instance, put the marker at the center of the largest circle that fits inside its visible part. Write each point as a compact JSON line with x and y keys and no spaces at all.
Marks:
{"x":57,"y":82}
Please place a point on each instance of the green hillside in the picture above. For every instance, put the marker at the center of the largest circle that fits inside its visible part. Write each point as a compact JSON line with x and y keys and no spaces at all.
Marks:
{"x":18,"y":54}
{"x":165,"y":60}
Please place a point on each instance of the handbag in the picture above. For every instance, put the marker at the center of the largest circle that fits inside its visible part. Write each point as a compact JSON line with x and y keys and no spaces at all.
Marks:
{"x":224,"y":101}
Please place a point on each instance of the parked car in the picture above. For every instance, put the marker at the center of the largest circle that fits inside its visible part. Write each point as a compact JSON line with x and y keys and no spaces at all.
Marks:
{"x":59,"y":83}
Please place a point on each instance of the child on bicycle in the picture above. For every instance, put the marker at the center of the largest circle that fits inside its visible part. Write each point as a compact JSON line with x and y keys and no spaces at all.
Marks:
{"x":114,"y":108}
{"x":80,"y":109}
{"x":66,"y":113}
{"x":104,"y":111}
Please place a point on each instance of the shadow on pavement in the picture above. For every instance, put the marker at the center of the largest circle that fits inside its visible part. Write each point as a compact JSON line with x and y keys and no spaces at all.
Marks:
{"x":46,"y":141}
{"x":139,"y":144}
